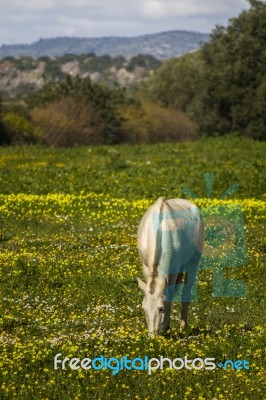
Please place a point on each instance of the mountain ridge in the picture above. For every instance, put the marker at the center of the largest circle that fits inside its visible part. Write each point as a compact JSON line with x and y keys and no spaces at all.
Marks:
{"x":161,"y":45}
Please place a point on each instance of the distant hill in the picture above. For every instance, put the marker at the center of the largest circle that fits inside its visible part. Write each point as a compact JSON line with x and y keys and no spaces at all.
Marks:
{"x":160,"y":45}
{"x":24,"y":75}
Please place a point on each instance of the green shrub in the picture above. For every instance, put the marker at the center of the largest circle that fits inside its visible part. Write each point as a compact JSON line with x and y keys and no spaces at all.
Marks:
{"x":19,"y":129}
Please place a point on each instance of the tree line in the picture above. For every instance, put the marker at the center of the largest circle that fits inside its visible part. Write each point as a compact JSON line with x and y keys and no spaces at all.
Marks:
{"x":222,"y":87}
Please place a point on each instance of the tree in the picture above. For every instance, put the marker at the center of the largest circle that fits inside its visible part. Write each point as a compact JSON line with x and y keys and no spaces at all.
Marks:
{"x":176,"y":83}
{"x":233,"y":92}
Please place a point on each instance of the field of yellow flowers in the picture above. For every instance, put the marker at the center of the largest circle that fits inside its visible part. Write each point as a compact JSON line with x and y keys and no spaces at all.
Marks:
{"x":69,"y":262}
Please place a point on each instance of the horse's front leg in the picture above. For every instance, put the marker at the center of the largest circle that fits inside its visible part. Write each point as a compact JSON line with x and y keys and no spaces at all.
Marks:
{"x":167,"y":312}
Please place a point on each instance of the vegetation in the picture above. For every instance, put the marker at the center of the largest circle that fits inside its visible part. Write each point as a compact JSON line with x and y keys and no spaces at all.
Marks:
{"x":218,"y":90}
{"x":102,"y":114}
{"x":150,"y":122}
{"x":67,"y":122}
{"x":21,"y":76}
{"x":177,"y":83}
{"x":69,"y":264}
{"x":77,"y":111}
{"x":222,"y":86}
{"x":69,"y":217}
{"x":3,"y":134}
{"x":160,"y":45}
{"x":143,"y":61}
{"x":234,"y":93}
{"x":19,"y":130}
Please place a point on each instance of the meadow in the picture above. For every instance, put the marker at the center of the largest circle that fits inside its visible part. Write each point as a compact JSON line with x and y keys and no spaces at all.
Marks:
{"x":69,"y":262}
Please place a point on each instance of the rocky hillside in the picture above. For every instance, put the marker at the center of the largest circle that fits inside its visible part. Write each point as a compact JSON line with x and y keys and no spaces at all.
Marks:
{"x":160,"y":45}
{"x":21,"y":76}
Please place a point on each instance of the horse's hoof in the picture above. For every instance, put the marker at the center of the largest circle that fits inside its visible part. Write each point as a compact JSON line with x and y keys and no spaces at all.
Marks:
{"x":183,"y":324}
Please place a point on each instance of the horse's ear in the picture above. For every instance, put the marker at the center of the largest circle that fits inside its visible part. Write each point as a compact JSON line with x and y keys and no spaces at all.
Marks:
{"x":142,"y":285}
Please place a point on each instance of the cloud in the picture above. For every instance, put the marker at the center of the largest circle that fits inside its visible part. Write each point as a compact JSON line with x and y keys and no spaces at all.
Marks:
{"x":160,"y":9}
{"x":181,"y":8}
{"x":24,"y":21}
{"x":27,"y":6}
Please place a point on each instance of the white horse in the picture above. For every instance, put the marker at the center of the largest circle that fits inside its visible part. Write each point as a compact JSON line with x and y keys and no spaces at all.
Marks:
{"x":170,"y":242}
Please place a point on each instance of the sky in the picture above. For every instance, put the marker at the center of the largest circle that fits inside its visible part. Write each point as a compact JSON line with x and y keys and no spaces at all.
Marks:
{"x":25,"y":21}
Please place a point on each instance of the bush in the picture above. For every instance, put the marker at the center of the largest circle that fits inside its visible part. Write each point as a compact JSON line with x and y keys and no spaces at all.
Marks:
{"x":18,"y":129}
{"x":151,"y":123}
{"x":68,"y":122}
{"x":99,"y":99}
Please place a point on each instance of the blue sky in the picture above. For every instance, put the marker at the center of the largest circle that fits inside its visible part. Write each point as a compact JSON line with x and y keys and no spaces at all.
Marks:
{"x":25,"y":21}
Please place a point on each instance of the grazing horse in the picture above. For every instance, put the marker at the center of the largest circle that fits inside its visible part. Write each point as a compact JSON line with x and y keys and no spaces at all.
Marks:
{"x":170,"y":242}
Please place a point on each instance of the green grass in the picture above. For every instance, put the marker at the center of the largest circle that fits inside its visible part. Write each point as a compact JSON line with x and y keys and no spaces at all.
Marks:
{"x":69,"y":262}
{"x":139,"y":171}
